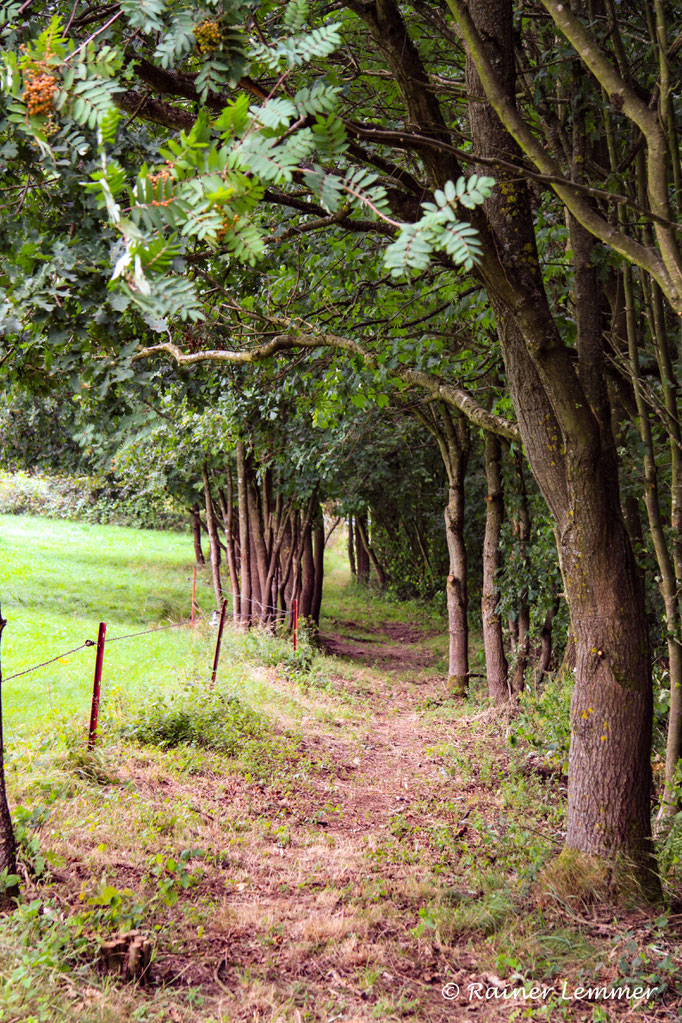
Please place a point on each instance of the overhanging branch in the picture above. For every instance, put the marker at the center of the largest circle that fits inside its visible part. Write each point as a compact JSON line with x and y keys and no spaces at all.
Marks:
{"x":301,"y":335}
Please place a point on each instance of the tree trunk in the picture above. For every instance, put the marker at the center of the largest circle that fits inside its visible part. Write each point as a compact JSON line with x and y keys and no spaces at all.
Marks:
{"x":196,"y":534}
{"x":451,"y":432}
{"x":227,"y":505}
{"x":376,"y":564}
{"x":244,"y":546}
{"x":7,"y":841}
{"x":271,"y":589}
{"x":305,"y":606}
{"x":523,"y":537}
{"x":456,"y":448}
{"x":495,"y":661}
{"x":668,"y":582}
{"x":545,"y":658}
{"x":361,"y":555}
{"x":318,"y":558}
{"x":351,"y":548}
{"x":214,"y":541}
{"x":259,"y":553}
{"x":286,"y":559}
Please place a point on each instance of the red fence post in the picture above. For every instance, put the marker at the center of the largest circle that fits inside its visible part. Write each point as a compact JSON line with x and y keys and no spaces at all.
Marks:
{"x":194,"y":592}
{"x":94,"y":710}
{"x":295,"y":623}
{"x":218,"y":641}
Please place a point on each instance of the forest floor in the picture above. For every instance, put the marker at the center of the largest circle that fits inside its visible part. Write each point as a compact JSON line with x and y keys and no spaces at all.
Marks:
{"x":326,"y":837}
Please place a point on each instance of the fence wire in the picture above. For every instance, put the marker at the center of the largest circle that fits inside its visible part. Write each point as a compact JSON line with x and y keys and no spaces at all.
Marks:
{"x":142,"y":632}
{"x":43,"y":664}
{"x":113,"y":639}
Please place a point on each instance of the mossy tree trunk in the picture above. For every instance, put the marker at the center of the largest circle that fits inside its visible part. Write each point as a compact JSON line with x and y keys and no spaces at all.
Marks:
{"x":496,"y":667}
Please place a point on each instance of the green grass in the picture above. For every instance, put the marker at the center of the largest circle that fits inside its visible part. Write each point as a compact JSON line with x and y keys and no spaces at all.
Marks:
{"x":58,"y":580}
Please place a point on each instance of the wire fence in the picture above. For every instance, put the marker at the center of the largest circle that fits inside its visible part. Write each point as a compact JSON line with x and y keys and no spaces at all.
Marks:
{"x":113,"y":639}
{"x":143,"y":632}
{"x":43,"y":664}
{"x":103,"y":641}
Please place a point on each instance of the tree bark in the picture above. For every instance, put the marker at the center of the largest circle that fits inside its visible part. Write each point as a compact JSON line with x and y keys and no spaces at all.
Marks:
{"x":214,"y":541}
{"x":196,"y":534}
{"x":244,"y":546}
{"x":495,"y":660}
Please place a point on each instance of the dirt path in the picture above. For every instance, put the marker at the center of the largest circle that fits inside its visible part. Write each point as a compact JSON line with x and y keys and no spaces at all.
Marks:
{"x":329,"y":915}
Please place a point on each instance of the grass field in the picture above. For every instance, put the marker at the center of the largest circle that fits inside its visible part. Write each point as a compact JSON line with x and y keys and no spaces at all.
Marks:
{"x":58,"y":580}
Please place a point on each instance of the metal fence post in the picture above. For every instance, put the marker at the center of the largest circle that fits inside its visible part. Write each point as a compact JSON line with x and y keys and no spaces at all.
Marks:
{"x":94,"y":710}
{"x":218,"y":641}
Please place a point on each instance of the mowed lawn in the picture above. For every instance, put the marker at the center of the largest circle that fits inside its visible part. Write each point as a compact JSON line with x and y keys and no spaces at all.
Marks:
{"x":58,"y":580}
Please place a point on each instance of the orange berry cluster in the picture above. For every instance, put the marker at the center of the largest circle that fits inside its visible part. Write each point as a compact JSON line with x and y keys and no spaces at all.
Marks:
{"x":228,"y":225}
{"x":208,"y":36}
{"x":39,"y":94}
{"x":162,"y":175}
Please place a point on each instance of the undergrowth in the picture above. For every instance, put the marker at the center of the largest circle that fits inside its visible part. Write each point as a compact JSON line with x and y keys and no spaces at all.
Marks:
{"x":212,"y":719}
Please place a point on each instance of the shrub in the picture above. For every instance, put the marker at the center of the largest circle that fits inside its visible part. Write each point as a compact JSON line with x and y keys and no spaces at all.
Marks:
{"x":544,"y":719}
{"x":210,"y":719}
{"x":86,"y":498}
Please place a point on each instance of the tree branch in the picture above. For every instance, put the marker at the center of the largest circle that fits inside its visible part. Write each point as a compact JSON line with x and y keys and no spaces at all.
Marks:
{"x":302,"y":335}
{"x":582,"y":210}
{"x":624,"y":98}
